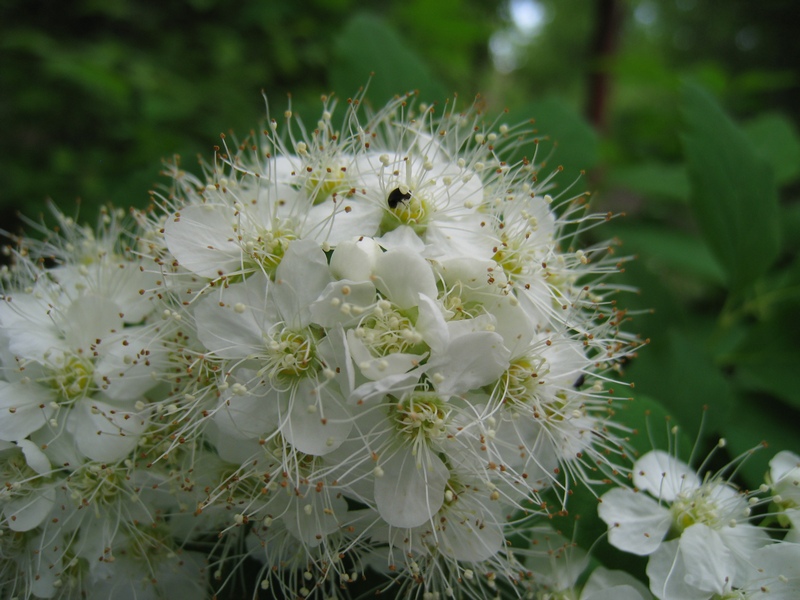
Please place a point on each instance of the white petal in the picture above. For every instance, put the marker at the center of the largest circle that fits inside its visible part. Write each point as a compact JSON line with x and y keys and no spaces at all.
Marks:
{"x":34,"y":341}
{"x":402,"y":277}
{"x":525,"y":445}
{"x":25,"y":308}
{"x":24,"y":408}
{"x":793,"y":535}
{"x":104,"y":432}
{"x":391,"y":384}
{"x":605,"y":584}
{"x":127,"y":280}
{"x":452,"y":238}
{"x":181,"y":575}
{"x":381,"y":367}
{"x":318,"y":422}
{"x":233,"y":449}
{"x":311,"y":518}
{"x":335,"y":305}
{"x":28,"y":512}
{"x":743,"y":540}
{"x":89,"y":319}
{"x":36,"y":459}
{"x":334,"y":352}
{"x":402,"y":239}
{"x":411,"y":488}
{"x":636,"y":523}
{"x":783,"y":463}
{"x":471,"y":361}
{"x":708,"y":563}
{"x":232,"y":325}
{"x":203,"y":240}
{"x":559,"y":561}
{"x":47,"y":566}
{"x":512,"y":323}
{"x":785,"y":476}
{"x":432,"y":325}
{"x":355,"y":261}
{"x":60,"y":447}
{"x":778,"y":572}
{"x":127,"y":362}
{"x":353,"y":217}
{"x":663,"y":475}
{"x":299,"y":280}
{"x":474,"y":532}
{"x":667,"y":573}
{"x":617,"y":592}
{"x":248,"y":416}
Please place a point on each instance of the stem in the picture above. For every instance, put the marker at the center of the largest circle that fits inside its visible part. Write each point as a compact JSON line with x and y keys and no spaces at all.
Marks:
{"x":606,"y":35}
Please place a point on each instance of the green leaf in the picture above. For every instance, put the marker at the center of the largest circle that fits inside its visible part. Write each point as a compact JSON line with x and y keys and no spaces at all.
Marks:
{"x":660,"y":247}
{"x":767,"y":359}
{"x":654,"y":180}
{"x":776,"y":139}
{"x":677,"y":370}
{"x":733,"y":191}
{"x":652,"y":425}
{"x":368,"y":50}
{"x":752,"y":423}
{"x":790,"y":226}
{"x":565,"y":138}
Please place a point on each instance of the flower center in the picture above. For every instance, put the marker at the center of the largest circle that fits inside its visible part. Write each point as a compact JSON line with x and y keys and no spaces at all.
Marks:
{"x":72,"y":377}
{"x":291,"y":355}
{"x":19,"y":480}
{"x":522,"y":380}
{"x":322,"y":181}
{"x":513,"y":257}
{"x":413,"y":211}
{"x":420,"y":418}
{"x":696,"y":506}
{"x":96,"y":484}
{"x":462,"y":307}
{"x":269,"y":247}
{"x":388,"y":331}
{"x":14,"y":543}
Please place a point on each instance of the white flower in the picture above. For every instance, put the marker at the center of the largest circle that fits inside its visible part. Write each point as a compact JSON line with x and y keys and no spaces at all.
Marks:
{"x":27,"y":496}
{"x":543,"y":419}
{"x":677,"y":518}
{"x":784,"y":479}
{"x":75,"y":366}
{"x":266,"y":327}
{"x":337,"y":348}
{"x":774,"y":574}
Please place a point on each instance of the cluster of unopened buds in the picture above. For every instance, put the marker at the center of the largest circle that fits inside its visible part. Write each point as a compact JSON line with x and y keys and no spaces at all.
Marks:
{"x":363,"y":354}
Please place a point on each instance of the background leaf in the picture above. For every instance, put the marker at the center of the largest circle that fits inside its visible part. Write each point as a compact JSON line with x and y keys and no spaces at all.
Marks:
{"x":733,"y":192}
{"x":686,"y":255}
{"x":565,"y":138}
{"x":368,"y":45}
{"x":775,"y":138}
{"x":654,"y":180}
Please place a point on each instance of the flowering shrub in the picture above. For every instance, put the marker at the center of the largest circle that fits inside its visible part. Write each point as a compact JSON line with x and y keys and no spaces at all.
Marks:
{"x":358,"y":352}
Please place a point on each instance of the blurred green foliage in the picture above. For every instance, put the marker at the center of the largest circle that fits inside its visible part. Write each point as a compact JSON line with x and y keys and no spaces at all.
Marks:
{"x":697,"y":143}
{"x":94,"y":94}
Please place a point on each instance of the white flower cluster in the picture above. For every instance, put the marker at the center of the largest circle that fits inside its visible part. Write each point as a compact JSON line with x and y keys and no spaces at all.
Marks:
{"x":700,"y":535}
{"x":354,"y":350}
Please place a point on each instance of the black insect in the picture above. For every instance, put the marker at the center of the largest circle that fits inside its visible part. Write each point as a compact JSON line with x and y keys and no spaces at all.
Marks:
{"x":579,"y":381}
{"x":396,"y":197}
